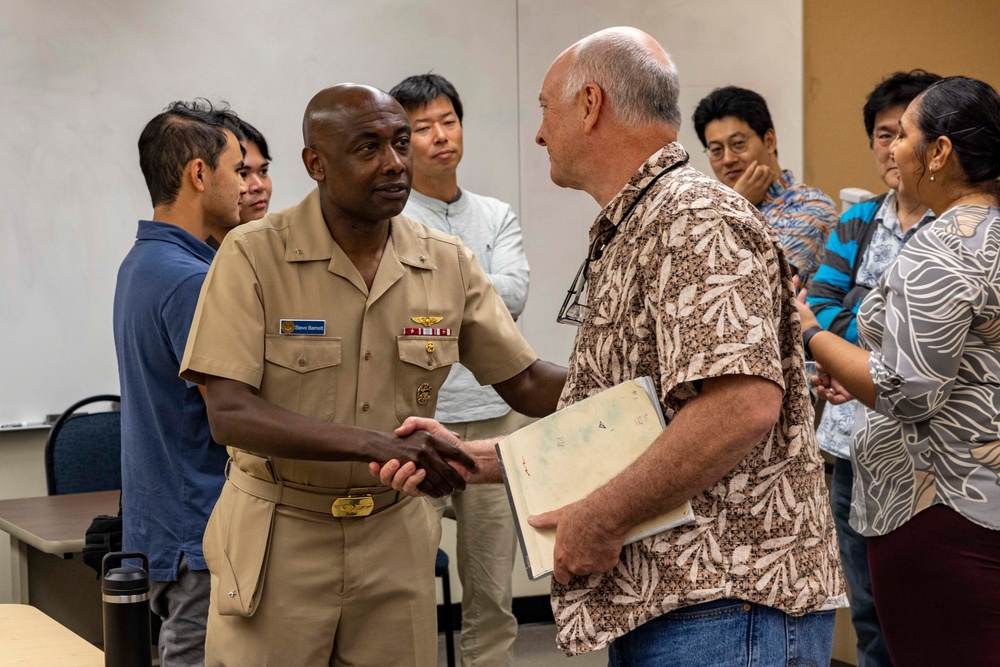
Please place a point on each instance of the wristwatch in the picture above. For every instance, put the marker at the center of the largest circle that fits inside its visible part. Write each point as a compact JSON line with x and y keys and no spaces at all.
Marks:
{"x":807,"y":336}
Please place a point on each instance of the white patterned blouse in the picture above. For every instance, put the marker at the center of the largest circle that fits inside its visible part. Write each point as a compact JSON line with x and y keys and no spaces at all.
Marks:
{"x":932,"y":325}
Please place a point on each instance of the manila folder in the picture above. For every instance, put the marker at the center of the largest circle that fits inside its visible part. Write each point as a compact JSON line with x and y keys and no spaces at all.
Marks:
{"x":564,"y":457}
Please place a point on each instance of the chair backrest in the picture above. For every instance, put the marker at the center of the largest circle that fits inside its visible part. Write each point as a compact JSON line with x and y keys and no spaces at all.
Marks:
{"x":851,"y":196}
{"x":83,"y":452}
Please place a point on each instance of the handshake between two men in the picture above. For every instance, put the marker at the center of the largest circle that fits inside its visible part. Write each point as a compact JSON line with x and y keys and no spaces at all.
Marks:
{"x":586,"y":541}
{"x":472,"y":462}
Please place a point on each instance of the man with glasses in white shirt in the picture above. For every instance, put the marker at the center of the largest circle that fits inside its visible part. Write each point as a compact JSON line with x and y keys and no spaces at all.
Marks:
{"x":487,"y":226}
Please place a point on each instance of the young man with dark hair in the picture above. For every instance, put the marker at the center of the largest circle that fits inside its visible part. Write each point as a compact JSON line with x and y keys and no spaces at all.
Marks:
{"x":420,"y":90}
{"x":172,"y":471}
{"x":865,"y":243}
{"x":256,"y":165}
{"x":734,"y":125}
{"x":486,"y":538}
{"x":889,"y":100}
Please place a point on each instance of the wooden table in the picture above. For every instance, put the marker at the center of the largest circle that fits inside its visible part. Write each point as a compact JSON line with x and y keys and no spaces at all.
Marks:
{"x":51,"y":524}
{"x":29,"y":637}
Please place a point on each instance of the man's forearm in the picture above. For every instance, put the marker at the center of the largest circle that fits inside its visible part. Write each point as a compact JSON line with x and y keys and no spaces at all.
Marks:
{"x":484,"y":453}
{"x":240,"y":418}
{"x":509,"y":270}
{"x":534,"y":391}
{"x":707,"y":438}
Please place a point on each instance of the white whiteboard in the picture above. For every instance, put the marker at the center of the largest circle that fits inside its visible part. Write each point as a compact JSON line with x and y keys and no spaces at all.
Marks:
{"x":80,"y":79}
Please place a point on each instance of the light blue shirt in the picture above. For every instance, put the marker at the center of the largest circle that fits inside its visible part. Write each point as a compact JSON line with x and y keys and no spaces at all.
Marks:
{"x":489,"y":228}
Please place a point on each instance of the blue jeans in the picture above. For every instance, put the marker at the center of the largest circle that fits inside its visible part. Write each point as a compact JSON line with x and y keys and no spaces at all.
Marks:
{"x":872,"y":651}
{"x":727,"y":633}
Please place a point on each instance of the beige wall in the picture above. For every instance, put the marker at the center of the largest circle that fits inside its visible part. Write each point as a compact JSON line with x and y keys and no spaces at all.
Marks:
{"x":850,"y":45}
{"x":22,"y":475}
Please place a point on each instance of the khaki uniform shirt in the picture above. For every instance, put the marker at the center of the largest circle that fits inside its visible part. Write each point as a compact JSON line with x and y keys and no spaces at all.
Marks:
{"x":361,"y":369}
{"x":694,"y":286}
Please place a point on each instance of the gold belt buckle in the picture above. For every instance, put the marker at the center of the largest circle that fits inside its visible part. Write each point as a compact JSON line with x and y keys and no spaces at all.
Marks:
{"x":352,"y":506}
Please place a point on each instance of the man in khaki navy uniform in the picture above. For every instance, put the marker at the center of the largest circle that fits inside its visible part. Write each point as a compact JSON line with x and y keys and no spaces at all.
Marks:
{"x":319,"y":330}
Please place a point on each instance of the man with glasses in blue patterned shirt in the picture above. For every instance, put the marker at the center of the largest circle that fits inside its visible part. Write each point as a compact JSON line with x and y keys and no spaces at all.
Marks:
{"x":734,"y":125}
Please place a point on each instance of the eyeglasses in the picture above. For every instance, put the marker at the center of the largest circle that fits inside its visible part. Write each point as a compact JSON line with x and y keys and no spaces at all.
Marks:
{"x":574,"y":308}
{"x":738,"y":144}
{"x":883,"y":139}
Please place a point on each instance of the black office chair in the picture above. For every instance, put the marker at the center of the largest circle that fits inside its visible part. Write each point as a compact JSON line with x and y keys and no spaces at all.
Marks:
{"x":83,"y":452}
{"x":441,"y":570}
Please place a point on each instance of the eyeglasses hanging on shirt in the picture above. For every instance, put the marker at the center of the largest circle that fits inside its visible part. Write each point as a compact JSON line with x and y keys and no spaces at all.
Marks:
{"x":574,"y":308}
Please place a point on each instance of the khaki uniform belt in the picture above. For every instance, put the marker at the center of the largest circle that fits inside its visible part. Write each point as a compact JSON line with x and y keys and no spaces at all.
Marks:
{"x":346,"y":503}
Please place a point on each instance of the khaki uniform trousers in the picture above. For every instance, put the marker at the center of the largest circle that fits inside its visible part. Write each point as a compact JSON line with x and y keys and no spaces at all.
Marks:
{"x":487,"y":545}
{"x":333,"y":592}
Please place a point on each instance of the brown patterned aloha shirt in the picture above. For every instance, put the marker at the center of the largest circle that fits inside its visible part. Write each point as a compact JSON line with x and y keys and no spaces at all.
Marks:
{"x":685,"y":291}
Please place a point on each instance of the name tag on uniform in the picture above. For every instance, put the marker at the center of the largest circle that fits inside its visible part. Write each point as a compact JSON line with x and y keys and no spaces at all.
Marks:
{"x":303,"y":327}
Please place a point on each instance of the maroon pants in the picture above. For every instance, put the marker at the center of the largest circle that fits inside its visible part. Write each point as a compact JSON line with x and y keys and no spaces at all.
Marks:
{"x":936,"y":582}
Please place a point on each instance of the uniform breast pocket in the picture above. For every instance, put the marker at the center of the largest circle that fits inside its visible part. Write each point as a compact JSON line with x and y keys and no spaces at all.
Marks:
{"x":301,"y":373}
{"x":423,"y":365}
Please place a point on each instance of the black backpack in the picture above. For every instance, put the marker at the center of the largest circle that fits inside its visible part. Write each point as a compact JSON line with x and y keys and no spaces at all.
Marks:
{"x":103,"y":536}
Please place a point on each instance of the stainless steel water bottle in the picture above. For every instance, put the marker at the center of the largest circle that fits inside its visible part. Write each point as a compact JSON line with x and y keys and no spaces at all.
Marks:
{"x":126,"y":611}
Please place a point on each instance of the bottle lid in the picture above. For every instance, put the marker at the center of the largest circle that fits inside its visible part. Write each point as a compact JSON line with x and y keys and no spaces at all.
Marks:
{"x":125,"y":581}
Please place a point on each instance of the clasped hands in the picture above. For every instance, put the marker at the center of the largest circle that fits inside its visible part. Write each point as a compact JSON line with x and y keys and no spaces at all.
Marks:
{"x":583,"y":544}
{"x":438,"y":466}
{"x":455,"y":469}
{"x":827,"y":387}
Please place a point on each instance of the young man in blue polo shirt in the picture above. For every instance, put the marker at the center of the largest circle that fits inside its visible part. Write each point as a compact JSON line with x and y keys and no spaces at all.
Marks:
{"x":172,"y":471}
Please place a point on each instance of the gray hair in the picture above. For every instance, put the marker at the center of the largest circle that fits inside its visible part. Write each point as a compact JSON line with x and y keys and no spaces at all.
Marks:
{"x":639,"y":87}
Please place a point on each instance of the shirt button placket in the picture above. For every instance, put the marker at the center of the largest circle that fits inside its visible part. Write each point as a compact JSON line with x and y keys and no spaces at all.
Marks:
{"x":365,"y":407}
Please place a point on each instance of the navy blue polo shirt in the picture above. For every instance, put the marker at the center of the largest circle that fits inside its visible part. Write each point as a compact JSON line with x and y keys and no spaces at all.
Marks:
{"x":172,"y":470}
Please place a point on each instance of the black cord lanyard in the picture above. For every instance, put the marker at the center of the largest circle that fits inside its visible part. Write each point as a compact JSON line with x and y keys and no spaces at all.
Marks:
{"x":595,"y":252}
